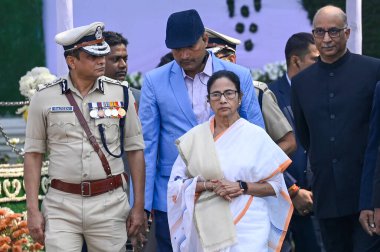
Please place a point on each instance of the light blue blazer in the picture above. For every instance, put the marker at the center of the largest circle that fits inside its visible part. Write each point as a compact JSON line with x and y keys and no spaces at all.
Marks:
{"x":166,"y":114}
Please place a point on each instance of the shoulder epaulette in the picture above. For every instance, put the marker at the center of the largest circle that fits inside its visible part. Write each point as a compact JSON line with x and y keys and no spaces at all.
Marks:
{"x":260,"y":85}
{"x":50,"y":84}
{"x":109,"y":80}
{"x":104,"y":79}
{"x":125,"y":83}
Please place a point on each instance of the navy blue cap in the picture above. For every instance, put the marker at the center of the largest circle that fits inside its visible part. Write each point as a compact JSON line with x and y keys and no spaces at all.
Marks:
{"x":183,"y":29}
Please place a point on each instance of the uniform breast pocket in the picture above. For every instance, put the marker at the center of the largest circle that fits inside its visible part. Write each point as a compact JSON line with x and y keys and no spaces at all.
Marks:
{"x":111,"y":129}
{"x":62,"y":127}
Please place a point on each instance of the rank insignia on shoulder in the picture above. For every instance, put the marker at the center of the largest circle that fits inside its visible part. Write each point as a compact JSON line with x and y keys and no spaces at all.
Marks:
{"x":47,"y":85}
{"x":55,"y":109}
{"x":106,"y":109}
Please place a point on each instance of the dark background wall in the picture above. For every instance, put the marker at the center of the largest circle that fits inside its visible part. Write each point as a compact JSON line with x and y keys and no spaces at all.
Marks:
{"x":21,"y":46}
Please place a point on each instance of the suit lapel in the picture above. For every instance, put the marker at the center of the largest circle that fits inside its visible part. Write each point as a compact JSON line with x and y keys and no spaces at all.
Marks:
{"x":178,"y":86}
{"x":284,"y":99}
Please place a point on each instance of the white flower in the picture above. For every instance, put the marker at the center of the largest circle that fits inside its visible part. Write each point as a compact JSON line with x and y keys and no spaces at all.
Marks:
{"x":39,"y":71}
{"x":257,"y":74}
{"x":268,"y":67}
{"x":14,"y":141}
{"x":44,"y":78}
{"x":273,"y":74}
{"x":30,"y":81}
{"x":270,"y":72}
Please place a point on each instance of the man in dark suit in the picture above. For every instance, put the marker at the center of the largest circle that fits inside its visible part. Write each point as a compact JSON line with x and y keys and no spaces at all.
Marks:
{"x":331,"y":101}
{"x":372,"y":161}
{"x":371,"y":172}
{"x":300,"y":52}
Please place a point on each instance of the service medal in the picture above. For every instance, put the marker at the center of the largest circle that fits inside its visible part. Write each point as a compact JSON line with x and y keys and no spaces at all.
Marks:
{"x":121,"y":112}
{"x":114,"y":112}
{"x":107,"y":112}
{"x":94,"y":113}
{"x":101,"y":113}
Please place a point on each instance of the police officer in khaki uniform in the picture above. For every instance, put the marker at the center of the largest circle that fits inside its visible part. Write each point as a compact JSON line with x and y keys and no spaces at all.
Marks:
{"x":86,"y":198}
{"x":276,"y":124}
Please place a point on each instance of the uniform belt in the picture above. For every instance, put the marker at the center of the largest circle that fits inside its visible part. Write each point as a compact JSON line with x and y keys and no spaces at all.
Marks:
{"x":90,"y":188}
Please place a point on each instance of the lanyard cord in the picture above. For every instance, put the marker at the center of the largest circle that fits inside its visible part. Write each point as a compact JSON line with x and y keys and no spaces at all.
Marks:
{"x":121,"y":127}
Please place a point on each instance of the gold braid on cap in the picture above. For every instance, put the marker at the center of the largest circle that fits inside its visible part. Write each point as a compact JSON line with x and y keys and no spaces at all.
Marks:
{"x":87,"y":43}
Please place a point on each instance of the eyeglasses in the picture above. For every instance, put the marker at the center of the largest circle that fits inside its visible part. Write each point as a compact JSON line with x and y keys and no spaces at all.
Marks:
{"x":228,"y":94}
{"x":333,"y":32}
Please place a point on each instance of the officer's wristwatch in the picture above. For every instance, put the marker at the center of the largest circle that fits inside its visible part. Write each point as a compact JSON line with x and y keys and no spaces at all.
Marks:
{"x":243,"y":185}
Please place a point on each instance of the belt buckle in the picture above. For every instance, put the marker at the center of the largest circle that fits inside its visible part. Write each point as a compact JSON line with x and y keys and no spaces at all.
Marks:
{"x":82,"y":187}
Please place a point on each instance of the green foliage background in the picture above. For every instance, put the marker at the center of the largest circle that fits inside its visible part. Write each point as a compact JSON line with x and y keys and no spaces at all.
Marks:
{"x":370,"y":21}
{"x":21,"y":46}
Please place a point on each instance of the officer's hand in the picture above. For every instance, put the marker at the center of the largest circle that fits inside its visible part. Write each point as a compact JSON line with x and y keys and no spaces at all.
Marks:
{"x":136,"y":222}
{"x":377,"y":220}
{"x":366,"y":219}
{"x":303,"y":202}
{"x":36,"y":226}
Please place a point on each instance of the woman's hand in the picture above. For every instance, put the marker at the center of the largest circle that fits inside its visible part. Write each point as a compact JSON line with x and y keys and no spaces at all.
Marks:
{"x":227,"y":189}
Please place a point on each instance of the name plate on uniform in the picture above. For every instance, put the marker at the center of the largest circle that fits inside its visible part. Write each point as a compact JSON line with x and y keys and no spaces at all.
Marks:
{"x":55,"y":109}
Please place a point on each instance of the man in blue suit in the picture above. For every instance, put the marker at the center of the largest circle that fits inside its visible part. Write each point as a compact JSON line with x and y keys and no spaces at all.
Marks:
{"x":173,"y":100}
{"x":300,"y":52}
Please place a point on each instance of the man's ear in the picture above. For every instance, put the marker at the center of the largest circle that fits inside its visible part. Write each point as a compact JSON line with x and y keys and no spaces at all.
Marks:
{"x":294,"y":60}
{"x":347,"y":33}
{"x":205,"y":38}
{"x":70,"y":60}
{"x":232,"y":58}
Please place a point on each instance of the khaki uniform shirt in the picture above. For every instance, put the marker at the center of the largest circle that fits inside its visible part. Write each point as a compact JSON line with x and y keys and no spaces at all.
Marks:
{"x":72,"y":157}
{"x":276,"y":124}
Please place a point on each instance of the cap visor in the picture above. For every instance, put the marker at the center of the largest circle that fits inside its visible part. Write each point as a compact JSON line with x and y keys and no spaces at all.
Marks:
{"x":98,"y":49}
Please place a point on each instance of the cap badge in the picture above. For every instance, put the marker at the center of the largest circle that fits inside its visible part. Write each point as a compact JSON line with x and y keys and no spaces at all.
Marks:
{"x":98,"y":33}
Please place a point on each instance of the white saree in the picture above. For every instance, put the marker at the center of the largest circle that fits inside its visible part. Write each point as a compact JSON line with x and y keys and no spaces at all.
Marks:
{"x":245,"y":152}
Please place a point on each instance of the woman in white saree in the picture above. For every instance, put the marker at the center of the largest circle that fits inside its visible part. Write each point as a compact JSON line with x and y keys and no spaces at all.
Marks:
{"x":226,"y":191}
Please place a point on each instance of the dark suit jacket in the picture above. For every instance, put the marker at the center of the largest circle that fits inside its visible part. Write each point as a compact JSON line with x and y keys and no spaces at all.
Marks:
{"x":297,"y":169}
{"x":331,"y":105}
{"x":371,"y":168}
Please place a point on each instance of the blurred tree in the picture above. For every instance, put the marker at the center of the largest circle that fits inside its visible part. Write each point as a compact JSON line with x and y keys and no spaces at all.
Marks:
{"x":21,"y":46}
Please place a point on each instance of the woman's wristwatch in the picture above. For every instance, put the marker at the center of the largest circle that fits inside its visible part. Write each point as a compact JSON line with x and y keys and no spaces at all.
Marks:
{"x":243,"y":185}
